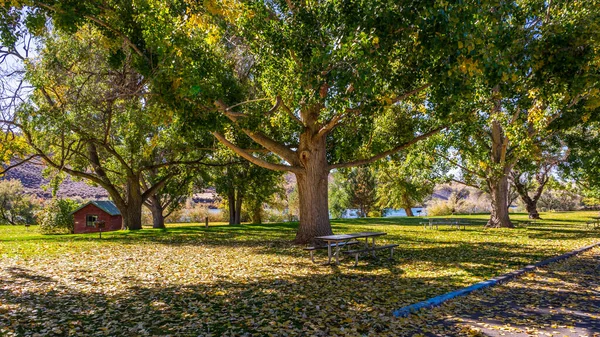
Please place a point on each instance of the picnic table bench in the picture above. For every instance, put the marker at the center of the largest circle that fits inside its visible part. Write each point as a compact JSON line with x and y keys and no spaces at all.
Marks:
{"x":334,"y":243}
{"x":340,"y":244}
{"x":444,"y":221}
{"x":594,"y":223}
{"x":357,"y":252}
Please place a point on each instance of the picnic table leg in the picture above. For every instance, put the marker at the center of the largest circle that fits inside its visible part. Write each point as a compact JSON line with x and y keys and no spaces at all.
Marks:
{"x":329,"y":252}
{"x":373,"y":247}
{"x":337,"y":253}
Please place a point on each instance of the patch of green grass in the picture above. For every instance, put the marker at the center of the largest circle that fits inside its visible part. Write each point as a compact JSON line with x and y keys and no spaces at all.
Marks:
{"x":227,"y":280}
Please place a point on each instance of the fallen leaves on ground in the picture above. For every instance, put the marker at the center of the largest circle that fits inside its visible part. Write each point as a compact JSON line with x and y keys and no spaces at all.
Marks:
{"x":250,"y":281}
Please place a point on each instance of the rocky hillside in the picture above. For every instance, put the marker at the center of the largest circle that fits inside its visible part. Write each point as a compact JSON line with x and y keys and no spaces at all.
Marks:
{"x":31,"y":177}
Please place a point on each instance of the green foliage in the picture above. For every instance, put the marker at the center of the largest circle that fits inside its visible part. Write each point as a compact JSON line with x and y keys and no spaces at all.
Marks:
{"x":56,"y":217}
{"x":16,"y":207}
{"x":525,"y":73}
{"x":583,"y":161}
{"x":559,"y":200}
{"x":256,"y":186}
{"x":361,"y":189}
{"x":339,"y":200}
{"x":406,"y":179}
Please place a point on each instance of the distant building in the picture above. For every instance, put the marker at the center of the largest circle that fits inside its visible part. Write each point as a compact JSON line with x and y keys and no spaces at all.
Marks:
{"x":85,"y":217}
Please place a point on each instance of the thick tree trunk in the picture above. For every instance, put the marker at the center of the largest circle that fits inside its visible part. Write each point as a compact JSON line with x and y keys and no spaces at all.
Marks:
{"x":531,"y":207}
{"x":132,"y":219}
{"x":158,"y":218}
{"x":499,"y":194}
{"x":238,"y":207}
{"x":312,"y":189}
{"x":408,"y":211}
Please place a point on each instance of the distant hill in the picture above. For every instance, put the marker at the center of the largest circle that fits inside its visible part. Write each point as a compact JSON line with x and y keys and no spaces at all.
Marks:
{"x":30,"y":175}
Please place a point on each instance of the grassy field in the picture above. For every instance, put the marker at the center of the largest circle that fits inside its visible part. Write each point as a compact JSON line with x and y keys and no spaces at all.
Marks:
{"x":250,"y":279}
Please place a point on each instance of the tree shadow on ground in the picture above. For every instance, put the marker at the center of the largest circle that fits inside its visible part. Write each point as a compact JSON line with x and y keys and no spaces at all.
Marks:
{"x":554,"y":301}
{"x":320,"y":305}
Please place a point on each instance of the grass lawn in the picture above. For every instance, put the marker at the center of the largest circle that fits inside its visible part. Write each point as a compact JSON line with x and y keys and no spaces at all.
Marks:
{"x":249,"y":279}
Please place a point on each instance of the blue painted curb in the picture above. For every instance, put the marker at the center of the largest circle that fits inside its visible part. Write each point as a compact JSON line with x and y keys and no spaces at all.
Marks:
{"x":438,"y":300}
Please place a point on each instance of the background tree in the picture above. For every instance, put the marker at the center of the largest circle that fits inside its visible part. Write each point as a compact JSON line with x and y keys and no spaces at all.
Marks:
{"x":173,"y":195}
{"x":582,"y":164}
{"x":361,"y":189}
{"x":339,"y":201}
{"x":56,"y":217}
{"x":408,"y":178}
{"x":248,"y":187}
{"x":528,"y":64}
{"x":16,"y":207}
{"x":92,"y":118}
{"x":531,"y":174}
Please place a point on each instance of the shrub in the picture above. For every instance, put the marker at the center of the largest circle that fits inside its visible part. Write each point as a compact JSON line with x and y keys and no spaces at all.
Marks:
{"x":56,"y":217}
{"x":439,"y":207}
{"x":461,"y":202}
{"x":16,"y":208}
{"x":200,"y":212}
{"x":559,"y":200}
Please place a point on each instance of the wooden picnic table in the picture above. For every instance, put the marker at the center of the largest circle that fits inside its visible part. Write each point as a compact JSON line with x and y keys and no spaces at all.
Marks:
{"x":594,"y":223}
{"x":339,"y":240}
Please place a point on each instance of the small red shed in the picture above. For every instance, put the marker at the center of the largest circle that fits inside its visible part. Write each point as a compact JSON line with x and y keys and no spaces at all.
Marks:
{"x":98,"y":210}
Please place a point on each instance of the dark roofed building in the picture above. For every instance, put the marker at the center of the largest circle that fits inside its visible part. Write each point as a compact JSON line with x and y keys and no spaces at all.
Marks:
{"x":86,"y":216}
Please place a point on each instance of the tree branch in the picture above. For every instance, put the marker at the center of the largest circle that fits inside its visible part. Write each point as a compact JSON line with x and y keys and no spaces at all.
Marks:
{"x":387,"y":153}
{"x":410,"y":93}
{"x":459,"y":165}
{"x":158,"y":185}
{"x":253,"y":159}
{"x":10,"y":167}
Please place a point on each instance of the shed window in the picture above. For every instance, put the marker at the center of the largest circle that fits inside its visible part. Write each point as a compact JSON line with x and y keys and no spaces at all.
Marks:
{"x":90,"y":220}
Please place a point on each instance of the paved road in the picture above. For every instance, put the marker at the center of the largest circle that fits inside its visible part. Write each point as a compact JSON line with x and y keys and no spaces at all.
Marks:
{"x":562,"y":299}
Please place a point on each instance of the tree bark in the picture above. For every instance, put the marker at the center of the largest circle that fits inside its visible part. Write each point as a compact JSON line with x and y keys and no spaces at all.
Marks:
{"x":238,"y":207}
{"x":132,"y":218}
{"x":499,"y":194}
{"x":231,"y":203}
{"x":531,"y":207}
{"x":407,"y":205}
{"x":158,"y":218}
{"x":312,"y":189}
{"x":531,"y":202}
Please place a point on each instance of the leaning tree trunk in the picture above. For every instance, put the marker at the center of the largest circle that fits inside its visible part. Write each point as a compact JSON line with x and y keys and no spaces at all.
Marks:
{"x":407,"y":205}
{"x":531,"y":207}
{"x":530,"y":203}
{"x":312,"y":189}
{"x":499,"y":195}
{"x":158,"y":218}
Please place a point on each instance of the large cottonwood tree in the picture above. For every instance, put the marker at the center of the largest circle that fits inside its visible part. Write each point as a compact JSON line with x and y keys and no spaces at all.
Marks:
{"x":91,"y":116}
{"x":529,"y":63}
{"x":330,"y":70}
{"x":327,"y":69}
